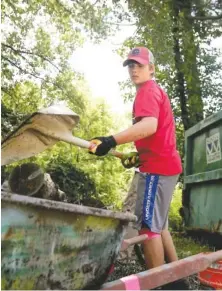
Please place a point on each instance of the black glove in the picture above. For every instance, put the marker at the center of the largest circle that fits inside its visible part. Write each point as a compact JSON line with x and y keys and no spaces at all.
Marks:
{"x":103,"y":145}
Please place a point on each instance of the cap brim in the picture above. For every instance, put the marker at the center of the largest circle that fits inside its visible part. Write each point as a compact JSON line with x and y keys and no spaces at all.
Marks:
{"x":137,"y":59}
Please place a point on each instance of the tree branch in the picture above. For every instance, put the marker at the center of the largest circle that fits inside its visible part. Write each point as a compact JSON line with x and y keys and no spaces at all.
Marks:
{"x":6,"y":92}
{"x":27,"y":61}
{"x":204,"y":18}
{"x":95,"y":3}
{"x":120,"y":24}
{"x":18,"y":51}
{"x":34,"y":75}
{"x":64,"y":7}
{"x":22,"y":70}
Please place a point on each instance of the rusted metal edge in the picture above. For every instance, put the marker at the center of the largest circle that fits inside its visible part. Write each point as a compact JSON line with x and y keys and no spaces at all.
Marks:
{"x":165,"y":274}
{"x":208,"y":231}
{"x":203,"y":177}
{"x":200,"y":126}
{"x":65,"y":207}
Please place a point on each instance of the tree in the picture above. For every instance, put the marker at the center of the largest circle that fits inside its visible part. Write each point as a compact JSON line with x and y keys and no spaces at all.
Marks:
{"x":178,"y":32}
{"x":38,"y":39}
{"x":189,"y":33}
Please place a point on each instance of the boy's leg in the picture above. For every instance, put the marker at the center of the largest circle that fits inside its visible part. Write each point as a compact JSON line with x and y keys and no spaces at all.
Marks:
{"x":154,"y":197}
{"x":159,"y":250}
{"x":168,"y":245}
{"x":153,"y":252}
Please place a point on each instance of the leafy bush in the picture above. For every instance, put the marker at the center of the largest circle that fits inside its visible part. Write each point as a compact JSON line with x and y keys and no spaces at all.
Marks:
{"x":74,"y":182}
{"x":9,"y":120}
{"x":175,"y":220}
{"x":187,"y":246}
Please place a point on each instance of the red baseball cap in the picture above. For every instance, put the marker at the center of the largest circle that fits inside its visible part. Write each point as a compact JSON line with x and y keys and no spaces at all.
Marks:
{"x":141,"y":55}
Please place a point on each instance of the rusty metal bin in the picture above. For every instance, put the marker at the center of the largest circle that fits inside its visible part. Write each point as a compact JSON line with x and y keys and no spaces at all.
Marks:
{"x":202,"y":195}
{"x":55,"y":245}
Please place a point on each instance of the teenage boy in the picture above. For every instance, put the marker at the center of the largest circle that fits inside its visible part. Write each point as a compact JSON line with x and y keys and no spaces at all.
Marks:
{"x":153,"y":132}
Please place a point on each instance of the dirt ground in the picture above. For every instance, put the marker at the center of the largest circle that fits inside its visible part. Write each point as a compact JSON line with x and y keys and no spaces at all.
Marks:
{"x":127,"y":267}
{"x":129,"y":263}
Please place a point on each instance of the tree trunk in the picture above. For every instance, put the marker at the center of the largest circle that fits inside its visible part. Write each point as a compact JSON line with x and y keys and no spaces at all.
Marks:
{"x":180,"y":88}
{"x":191,"y":72}
{"x":185,"y":56}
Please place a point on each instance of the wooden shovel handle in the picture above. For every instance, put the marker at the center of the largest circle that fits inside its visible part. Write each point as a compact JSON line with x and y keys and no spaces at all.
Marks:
{"x":82,"y":143}
{"x":116,"y":154}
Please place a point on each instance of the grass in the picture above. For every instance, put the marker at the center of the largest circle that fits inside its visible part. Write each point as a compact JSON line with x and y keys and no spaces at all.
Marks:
{"x":187,"y":246}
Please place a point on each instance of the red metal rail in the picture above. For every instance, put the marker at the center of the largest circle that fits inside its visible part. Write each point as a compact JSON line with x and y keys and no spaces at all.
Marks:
{"x":165,"y":274}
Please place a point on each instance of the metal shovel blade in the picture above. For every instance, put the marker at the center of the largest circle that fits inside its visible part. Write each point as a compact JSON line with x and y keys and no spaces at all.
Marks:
{"x":38,"y":132}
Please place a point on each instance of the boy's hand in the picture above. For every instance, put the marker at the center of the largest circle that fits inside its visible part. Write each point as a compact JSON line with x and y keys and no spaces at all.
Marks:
{"x":103,"y":145}
{"x":130,"y":160}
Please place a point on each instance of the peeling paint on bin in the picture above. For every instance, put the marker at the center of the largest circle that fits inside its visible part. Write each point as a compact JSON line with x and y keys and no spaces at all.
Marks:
{"x":55,"y":245}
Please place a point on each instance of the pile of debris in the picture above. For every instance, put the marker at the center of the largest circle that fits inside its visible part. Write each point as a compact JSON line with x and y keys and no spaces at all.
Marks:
{"x":29,"y":179}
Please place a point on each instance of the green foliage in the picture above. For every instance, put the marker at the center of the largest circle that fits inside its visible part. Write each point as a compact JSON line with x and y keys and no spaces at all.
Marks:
{"x":38,"y":40}
{"x":175,"y":220}
{"x":186,"y":246}
{"x":74,"y":182}
{"x":180,"y":33}
{"x":23,"y":97}
{"x":107,"y":174}
{"x":9,"y":120}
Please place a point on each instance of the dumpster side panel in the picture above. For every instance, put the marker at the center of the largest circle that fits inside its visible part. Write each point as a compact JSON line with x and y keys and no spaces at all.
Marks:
{"x":205,"y":207}
{"x":202,"y":195}
{"x":206,"y":153}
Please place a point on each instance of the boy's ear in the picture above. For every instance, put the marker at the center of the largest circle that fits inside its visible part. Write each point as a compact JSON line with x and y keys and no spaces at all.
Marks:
{"x":152,"y":68}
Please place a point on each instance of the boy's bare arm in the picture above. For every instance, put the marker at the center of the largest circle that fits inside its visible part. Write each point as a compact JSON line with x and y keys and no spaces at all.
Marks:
{"x":147,"y":126}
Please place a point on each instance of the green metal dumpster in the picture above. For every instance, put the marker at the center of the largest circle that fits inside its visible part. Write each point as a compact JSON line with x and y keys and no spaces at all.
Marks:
{"x":202,"y":195}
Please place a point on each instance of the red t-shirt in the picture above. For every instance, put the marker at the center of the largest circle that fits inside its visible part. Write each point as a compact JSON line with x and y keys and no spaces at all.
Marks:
{"x":158,"y":153}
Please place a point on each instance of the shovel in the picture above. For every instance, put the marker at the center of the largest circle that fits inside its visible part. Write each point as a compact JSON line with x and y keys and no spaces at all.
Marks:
{"x":42,"y":130}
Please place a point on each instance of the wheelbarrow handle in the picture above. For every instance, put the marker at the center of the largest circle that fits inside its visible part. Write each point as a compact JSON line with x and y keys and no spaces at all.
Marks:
{"x":131,"y":241}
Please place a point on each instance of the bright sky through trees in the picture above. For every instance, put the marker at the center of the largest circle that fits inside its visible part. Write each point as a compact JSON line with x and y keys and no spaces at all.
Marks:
{"x":103,"y":69}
